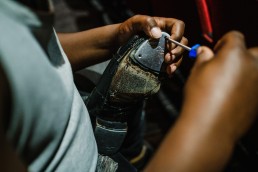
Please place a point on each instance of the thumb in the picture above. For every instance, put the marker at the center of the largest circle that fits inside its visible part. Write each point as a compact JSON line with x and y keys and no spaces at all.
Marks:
{"x":204,"y":54}
{"x":254,"y":51}
{"x":155,"y":32}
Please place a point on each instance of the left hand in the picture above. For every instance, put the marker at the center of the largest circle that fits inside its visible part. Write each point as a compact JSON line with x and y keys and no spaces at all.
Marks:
{"x":152,"y":27}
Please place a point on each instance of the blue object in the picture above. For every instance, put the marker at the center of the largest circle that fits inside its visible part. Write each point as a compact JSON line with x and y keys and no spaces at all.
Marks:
{"x":193,"y":51}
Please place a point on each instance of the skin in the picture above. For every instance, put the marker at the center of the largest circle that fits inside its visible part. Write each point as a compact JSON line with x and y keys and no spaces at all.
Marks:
{"x":96,"y":45}
{"x":220,"y":105}
{"x":217,"y":109}
{"x":87,"y":48}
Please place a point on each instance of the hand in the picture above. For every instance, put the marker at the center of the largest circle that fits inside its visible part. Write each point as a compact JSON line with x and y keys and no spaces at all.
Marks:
{"x":225,"y":84}
{"x":220,"y":104}
{"x":152,"y":27}
{"x":97,"y":45}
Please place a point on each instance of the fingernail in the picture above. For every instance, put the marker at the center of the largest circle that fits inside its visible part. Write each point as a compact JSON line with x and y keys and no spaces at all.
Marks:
{"x":173,"y":57}
{"x":156,"y":32}
{"x":173,"y":69}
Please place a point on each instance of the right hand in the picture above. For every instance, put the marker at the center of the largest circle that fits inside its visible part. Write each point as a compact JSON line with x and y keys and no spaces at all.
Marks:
{"x":224,"y":86}
{"x":220,"y":104}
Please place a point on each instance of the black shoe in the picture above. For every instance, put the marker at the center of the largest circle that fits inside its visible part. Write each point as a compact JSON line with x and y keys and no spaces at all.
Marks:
{"x":133,"y":74}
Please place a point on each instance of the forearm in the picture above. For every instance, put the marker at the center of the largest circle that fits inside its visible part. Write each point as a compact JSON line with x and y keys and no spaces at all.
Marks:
{"x":198,"y":142}
{"x":90,"y":47}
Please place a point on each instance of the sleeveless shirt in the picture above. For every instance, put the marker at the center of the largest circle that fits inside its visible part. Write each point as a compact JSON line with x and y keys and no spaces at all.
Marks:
{"x":49,"y":125}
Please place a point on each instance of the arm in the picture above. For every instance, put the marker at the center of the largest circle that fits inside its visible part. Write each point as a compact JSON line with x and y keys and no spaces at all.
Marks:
{"x":9,"y":160}
{"x":220,"y":104}
{"x":89,"y":47}
{"x":96,"y":45}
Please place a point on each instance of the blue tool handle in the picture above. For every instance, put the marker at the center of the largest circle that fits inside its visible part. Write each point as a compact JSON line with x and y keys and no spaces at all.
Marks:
{"x":193,"y":51}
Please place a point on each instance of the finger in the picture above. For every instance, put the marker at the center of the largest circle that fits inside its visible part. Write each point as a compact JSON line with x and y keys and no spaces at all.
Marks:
{"x":147,"y":24}
{"x":179,"y":50}
{"x":172,"y":68}
{"x":230,"y":41}
{"x":204,"y":54}
{"x":254,"y":51}
{"x":173,"y":26}
{"x":137,"y":24}
{"x":179,"y":61}
{"x":176,"y":52}
{"x":169,"y":57}
{"x":177,"y":30}
{"x":152,"y":27}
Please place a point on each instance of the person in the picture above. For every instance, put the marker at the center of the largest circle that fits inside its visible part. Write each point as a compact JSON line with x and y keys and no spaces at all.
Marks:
{"x":220,"y":106}
{"x":45,"y":125}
